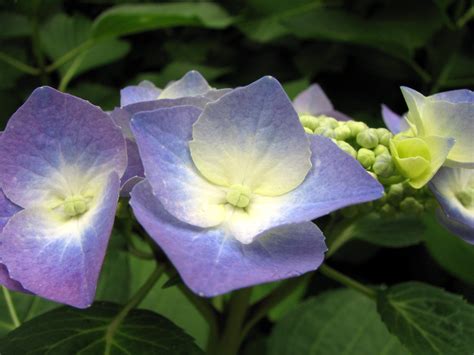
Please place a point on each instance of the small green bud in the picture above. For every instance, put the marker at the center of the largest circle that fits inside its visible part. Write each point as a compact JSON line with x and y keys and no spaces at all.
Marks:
{"x":381,"y":149}
{"x":395,"y":193}
{"x":368,"y":138}
{"x":327,"y":121}
{"x":411,"y":206}
{"x":356,"y":127}
{"x":366,"y":157}
{"x":347,"y":148}
{"x":466,"y":197}
{"x":342,"y":132}
{"x":239,"y":195}
{"x":381,"y":132}
{"x":325,"y":131}
{"x":307,"y":130}
{"x":373,"y":175}
{"x":74,"y":206}
{"x":309,"y":121}
{"x":383,"y":165}
{"x":385,"y":139}
{"x":387,"y":210}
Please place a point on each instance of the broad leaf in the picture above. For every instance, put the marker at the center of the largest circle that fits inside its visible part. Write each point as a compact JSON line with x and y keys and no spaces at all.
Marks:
{"x":427,"y":319}
{"x":14,"y":25}
{"x":128,"y":19}
{"x":336,"y":322}
{"x":92,"y":331}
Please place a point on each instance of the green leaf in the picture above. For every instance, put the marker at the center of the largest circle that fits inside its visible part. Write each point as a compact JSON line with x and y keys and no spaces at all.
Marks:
{"x":64,"y":33}
{"x":427,"y":319}
{"x":294,"y":87}
{"x":451,"y":252}
{"x":14,"y":25}
{"x":104,"y":96}
{"x":336,"y":322}
{"x":169,"y":302}
{"x":128,"y":19}
{"x":72,"y":331}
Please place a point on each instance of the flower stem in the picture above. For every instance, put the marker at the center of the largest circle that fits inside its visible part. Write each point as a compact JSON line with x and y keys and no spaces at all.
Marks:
{"x":347,"y":281}
{"x":25,"y":68}
{"x":134,"y":301}
{"x":237,"y":310}
{"x":11,"y":307}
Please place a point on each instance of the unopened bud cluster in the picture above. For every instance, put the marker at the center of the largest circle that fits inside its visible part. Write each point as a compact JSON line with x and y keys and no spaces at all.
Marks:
{"x":371,"y":147}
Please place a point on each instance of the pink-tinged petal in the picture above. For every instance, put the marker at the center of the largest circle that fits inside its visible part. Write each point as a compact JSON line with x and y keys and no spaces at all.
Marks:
{"x":313,"y":101}
{"x":337,"y":115}
{"x":162,"y":137}
{"x":211,"y":262}
{"x":145,"y":91}
{"x":134,"y":172}
{"x":8,"y":282}
{"x":60,"y":259}
{"x":336,"y":180}
{"x":395,"y":123}
{"x":7,"y":210}
{"x":52,"y":139}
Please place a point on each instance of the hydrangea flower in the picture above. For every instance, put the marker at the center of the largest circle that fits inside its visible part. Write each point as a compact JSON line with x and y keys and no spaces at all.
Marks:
{"x":314,"y":102}
{"x":191,"y":89}
{"x":454,"y":190}
{"x":61,"y":161}
{"x":231,"y":189}
{"x":394,"y":122}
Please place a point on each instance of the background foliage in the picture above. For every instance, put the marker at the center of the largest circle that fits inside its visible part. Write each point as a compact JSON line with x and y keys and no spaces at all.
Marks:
{"x":360,"y":52}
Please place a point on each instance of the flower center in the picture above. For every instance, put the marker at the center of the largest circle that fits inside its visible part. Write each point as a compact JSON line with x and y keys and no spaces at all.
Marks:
{"x":466,"y":197}
{"x":75,"y":205}
{"x":239,"y":196}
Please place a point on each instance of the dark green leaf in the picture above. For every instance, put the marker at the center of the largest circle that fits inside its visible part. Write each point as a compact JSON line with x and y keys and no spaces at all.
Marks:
{"x":451,"y":252}
{"x":14,"y":25}
{"x":428,"y":320}
{"x":336,"y":322}
{"x":128,"y":19}
{"x":72,"y":331}
{"x":293,"y":88}
{"x":104,"y":96}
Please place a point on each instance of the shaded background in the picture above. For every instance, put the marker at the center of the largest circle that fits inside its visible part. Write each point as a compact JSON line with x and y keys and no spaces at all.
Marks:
{"x":360,"y":52}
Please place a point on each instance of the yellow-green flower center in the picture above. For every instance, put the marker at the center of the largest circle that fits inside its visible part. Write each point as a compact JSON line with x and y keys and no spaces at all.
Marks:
{"x":75,"y":205}
{"x":466,"y":197}
{"x":239,"y":196}
{"x":412,"y":156}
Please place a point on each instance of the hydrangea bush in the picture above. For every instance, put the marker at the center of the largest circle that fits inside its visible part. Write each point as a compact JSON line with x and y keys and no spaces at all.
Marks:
{"x":238,"y":198}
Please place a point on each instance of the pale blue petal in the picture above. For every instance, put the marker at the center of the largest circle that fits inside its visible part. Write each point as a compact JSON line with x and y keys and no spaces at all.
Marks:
{"x":145,"y":91}
{"x":395,"y":123}
{"x":191,"y":84}
{"x":312,"y":101}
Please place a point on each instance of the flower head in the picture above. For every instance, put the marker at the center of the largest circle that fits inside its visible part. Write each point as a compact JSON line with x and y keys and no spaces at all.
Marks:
{"x":231,"y":189}
{"x":61,"y":160}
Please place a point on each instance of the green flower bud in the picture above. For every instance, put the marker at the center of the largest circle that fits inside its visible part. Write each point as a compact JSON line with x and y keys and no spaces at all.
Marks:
{"x":309,"y":122}
{"x":381,"y":149}
{"x":385,"y":139}
{"x":327,"y":121}
{"x":368,"y":138}
{"x":383,"y":165}
{"x":307,"y":130}
{"x":356,"y":127}
{"x":387,"y":210}
{"x":325,"y":131}
{"x":373,"y":175}
{"x":394,"y":179}
{"x":411,"y":206}
{"x":395,"y":193}
{"x":347,"y":148}
{"x":342,"y":132}
{"x":411,"y":155}
{"x":366,"y":157}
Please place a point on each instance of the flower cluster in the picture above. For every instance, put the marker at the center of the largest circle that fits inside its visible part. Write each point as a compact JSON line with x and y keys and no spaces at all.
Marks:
{"x":227,"y":182}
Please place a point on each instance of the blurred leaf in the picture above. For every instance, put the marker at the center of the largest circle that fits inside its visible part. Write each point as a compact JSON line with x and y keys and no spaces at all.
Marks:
{"x":128,"y":19}
{"x":176,"y":70}
{"x":104,"y":96}
{"x":451,"y":252}
{"x":294,"y":87}
{"x":14,"y":25}
{"x":114,"y":281}
{"x":169,"y":302}
{"x":336,"y":322}
{"x":71,"y":331}
{"x":63,"y":33}
{"x":428,"y":320}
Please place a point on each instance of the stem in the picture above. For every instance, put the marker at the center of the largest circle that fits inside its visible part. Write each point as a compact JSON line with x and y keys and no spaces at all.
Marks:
{"x":70,"y":72}
{"x":134,"y":301}
{"x":232,"y":336}
{"x":464,"y":19}
{"x":36,"y":44}
{"x":11,"y":307}
{"x":25,"y":68}
{"x":70,"y":55}
{"x":261,"y":309}
{"x":208,"y":312}
{"x":347,"y":281}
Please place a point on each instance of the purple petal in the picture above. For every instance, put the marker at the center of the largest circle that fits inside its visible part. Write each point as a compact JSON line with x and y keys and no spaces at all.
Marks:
{"x":61,"y":260}
{"x":53,"y":138}
{"x":454,"y":96}
{"x":312,"y":101}
{"x":337,"y":115}
{"x":162,"y":137}
{"x":395,"y":123}
{"x":8,"y":282}
{"x":7,"y":210}
{"x":145,"y":91}
{"x":134,"y":172}
{"x":335,"y":180}
{"x":212,"y":263}
{"x":191,"y":84}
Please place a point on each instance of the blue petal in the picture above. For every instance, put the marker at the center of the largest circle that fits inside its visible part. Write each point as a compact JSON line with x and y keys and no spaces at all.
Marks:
{"x":312,"y":101}
{"x":395,"y":123}
{"x":7,"y":209}
{"x":8,"y":282}
{"x":455,"y":96}
{"x":191,"y":84}
{"x":57,"y":259}
{"x":145,"y":91}
{"x":162,"y":137}
{"x":211,"y":263}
